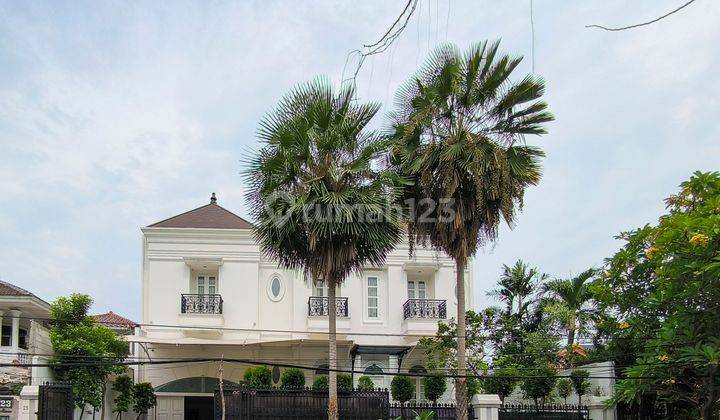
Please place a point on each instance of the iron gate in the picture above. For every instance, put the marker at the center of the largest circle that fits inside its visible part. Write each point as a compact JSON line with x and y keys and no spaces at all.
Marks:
{"x":55,"y":402}
{"x":260,"y":404}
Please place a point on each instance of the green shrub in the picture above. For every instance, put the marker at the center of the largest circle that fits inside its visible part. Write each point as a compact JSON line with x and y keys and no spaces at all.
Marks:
{"x":435,"y":386}
{"x":579,"y":379}
{"x":344,"y":382}
{"x":124,"y":386}
{"x":501,"y":382}
{"x":258,"y":377}
{"x":564,"y":389}
{"x":320,"y":383}
{"x":144,"y":397}
{"x":539,"y":384}
{"x":292,"y":378}
{"x":402,"y":388}
{"x":365,"y":384}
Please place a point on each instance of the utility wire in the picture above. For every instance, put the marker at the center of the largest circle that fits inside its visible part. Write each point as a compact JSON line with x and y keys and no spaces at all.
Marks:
{"x":644,"y":23}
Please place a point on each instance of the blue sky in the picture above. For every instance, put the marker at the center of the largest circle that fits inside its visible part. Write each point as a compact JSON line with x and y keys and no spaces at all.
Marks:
{"x":114,"y":115}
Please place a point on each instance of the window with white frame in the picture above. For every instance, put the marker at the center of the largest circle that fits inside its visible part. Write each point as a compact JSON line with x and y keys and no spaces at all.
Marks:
{"x":206,"y":284}
{"x":373,"y":296}
{"x":419,"y":386}
{"x":416,"y":289}
{"x":320,"y":289}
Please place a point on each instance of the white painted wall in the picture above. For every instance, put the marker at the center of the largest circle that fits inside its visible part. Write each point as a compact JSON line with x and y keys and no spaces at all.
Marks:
{"x":244,"y":276}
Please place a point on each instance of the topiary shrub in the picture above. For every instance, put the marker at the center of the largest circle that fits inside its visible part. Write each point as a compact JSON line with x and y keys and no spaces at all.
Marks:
{"x":579,"y":379}
{"x":365,"y":384}
{"x":292,"y":378}
{"x":435,"y":386}
{"x":501,"y":382}
{"x":320,"y":383}
{"x":564,"y":389}
{"x":402,"y":388}
{"x":344,"y":382}
{"x":539,"y":383}
{"x":258,"y":377}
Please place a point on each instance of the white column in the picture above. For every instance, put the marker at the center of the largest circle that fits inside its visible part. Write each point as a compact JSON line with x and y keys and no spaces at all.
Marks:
{"x":599,"y":410}
{"x":15,"y":340}
{"x":486,"y":406}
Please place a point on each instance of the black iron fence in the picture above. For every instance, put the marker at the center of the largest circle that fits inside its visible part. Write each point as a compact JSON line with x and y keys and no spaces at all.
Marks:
{"x":260,"y":404}
{"x":441,"y":411}
{"x":318,"y":306}
{"x":201,"y":304}
{"x":425,"y":308}
{"x":543,"y":412}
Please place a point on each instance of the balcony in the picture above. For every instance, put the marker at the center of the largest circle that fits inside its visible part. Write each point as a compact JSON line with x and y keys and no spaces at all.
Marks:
{"x":203,"y":314}
{"x":201,"y":304}
{"x":317,"y":319}
{"x":318,"y":306}
{"x":425,"y":308}
{"x":421,"y":316}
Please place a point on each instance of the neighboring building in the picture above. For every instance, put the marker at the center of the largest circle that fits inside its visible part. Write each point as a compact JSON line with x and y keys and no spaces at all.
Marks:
{"x":24,"y":332}
{"x":115,"y":322}
{"x":207,"y":291}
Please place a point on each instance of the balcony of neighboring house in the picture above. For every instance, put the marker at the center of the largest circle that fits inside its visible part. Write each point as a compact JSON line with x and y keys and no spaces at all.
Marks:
{"x":319,"y":307}
{"x":421,"y":312}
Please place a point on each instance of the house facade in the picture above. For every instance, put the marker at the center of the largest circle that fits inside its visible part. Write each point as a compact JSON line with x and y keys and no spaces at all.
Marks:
{"x":208,"y":292}
{"x":25,"y":340}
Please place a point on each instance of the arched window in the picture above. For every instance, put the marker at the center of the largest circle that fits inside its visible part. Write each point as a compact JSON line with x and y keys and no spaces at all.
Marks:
{"x":373,"y":370}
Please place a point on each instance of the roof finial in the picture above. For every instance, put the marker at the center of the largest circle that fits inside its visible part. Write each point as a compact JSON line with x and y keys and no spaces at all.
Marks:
{"x":213,"y":199}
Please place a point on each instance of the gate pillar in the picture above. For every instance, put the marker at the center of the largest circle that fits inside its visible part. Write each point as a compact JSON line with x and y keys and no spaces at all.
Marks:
{"x":486,"y":406}
{"x":599,"y":410}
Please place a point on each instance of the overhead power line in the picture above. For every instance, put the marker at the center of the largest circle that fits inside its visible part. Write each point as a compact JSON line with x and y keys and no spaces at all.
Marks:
{"x":644,"y":23}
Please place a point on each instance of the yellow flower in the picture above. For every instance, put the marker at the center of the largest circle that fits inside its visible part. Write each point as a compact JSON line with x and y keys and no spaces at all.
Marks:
{"x":699,"y":239}
{"x":650,"y":252}
{"x":663,"y":358}
{"x":624,"y":325}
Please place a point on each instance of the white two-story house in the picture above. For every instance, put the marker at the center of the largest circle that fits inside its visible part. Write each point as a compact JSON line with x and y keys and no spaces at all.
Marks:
{"x":208,"y":292}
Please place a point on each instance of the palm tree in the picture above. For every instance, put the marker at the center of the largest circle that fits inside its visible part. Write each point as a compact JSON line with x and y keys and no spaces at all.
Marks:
{"x":570,"y":300}
{"x":517,"y":284}
{"x":459,"y":134}
{"x":318,"y":199}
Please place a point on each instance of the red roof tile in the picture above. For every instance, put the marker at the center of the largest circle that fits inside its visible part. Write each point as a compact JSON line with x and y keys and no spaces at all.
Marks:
{"x":111,"y":319}
{"x":209,"y":216}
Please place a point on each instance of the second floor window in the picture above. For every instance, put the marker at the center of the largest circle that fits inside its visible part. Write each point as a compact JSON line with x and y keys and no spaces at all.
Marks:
{"x":372,"y":297}
{"x":416,"y":289}
{"x":320,"y":289}
{"x":206,"y":285}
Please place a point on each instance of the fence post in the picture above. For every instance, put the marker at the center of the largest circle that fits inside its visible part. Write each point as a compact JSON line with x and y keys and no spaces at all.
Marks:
{"x":486,"y":406}
{"x":599,"y":410}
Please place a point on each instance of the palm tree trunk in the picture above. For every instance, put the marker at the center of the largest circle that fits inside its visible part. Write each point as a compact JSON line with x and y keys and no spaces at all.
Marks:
{"x":332,"y":351}
{"x":571,"y":334}
{"x":461,"y":383}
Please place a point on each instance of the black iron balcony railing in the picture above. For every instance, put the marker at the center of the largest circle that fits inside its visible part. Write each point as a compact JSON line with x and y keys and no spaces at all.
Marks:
{"x":201,"y":304}
{"x":318,"y":306}
{"x":425,"y":308}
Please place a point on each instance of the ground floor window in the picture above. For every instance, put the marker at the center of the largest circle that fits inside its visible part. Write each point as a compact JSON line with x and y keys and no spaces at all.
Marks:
{"x":419,"y":386}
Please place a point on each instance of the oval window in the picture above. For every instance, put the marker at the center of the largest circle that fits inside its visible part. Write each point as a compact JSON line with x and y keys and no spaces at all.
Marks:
{"x":275,"y":288}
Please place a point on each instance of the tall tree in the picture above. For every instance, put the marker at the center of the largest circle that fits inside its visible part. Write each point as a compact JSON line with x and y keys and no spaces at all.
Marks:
{"x":459,"y":133}
{"x":571,"y":302}
{"x":76,"y":337}
{"x":663,"y":290}
{"x":321,"y":203}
